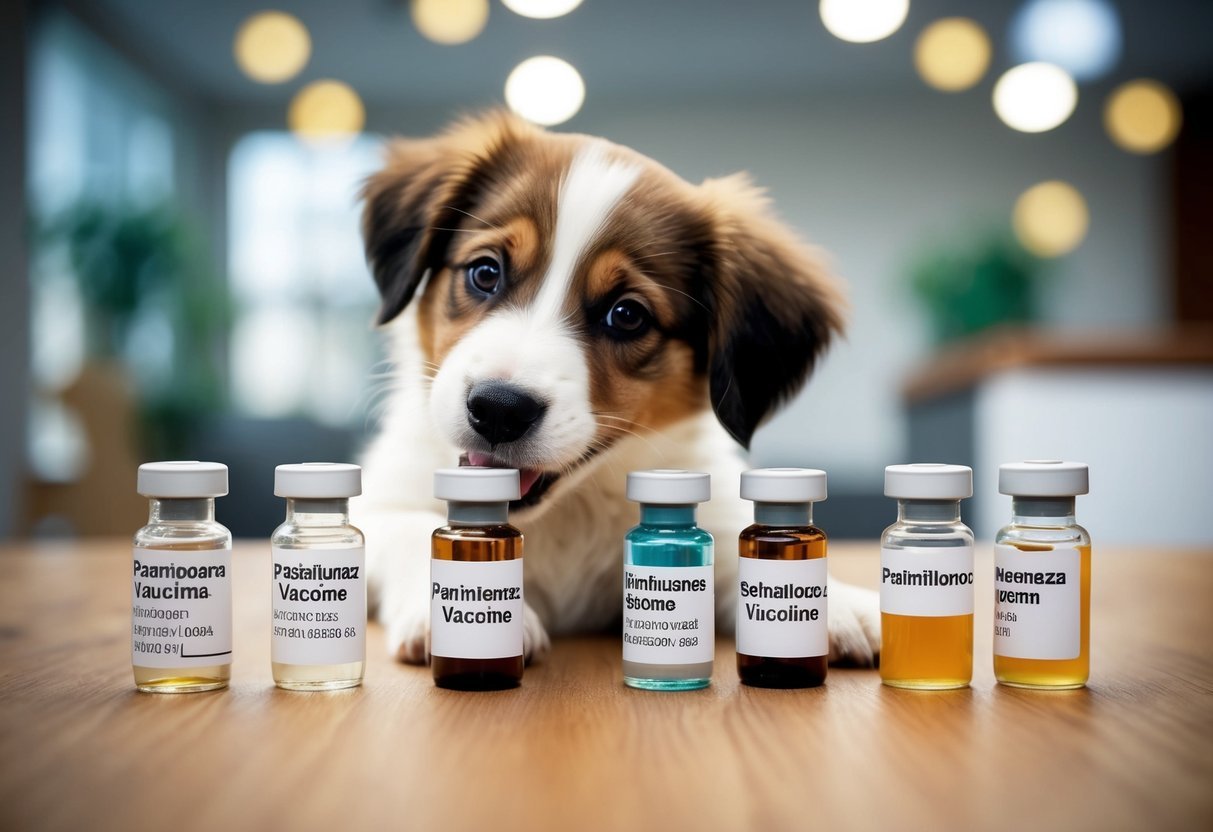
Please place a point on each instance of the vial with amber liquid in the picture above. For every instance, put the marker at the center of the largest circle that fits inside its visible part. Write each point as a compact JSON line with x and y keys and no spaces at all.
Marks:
{"x":926,"y":579}
{"x":1042,"y":578}
{"x":181,"y":585}
{"x":782,"y":631}
{"x":318,"y":585}
{"x":476,"y":603}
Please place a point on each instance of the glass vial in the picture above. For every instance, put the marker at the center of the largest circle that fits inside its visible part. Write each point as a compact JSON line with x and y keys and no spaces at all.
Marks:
{"x":476,"y":602}
{"x":669,"y":599}
{"x":782,"y":633}
{"x":926,"y":579}
{"x":1042,"y":578}
{"x":318,"y":586}
{"x":181,"y":589}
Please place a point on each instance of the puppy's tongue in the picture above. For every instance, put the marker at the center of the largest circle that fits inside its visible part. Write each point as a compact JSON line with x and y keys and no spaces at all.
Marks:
{"x":526,"y":476}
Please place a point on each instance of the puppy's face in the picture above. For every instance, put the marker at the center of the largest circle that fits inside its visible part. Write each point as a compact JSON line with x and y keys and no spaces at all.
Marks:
{"x":576,"y":293}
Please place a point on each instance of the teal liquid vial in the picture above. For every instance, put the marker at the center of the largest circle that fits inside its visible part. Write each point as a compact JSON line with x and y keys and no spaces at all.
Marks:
{"x":669,"y":599}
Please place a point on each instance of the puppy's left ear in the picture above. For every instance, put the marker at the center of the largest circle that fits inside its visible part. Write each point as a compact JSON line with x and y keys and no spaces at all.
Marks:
{"x":774,"y":307}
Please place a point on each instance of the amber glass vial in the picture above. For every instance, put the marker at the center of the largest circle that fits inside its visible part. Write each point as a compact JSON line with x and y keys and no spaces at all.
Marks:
{"x":782,"y":628}
{"x":476,"y":600}
{"x":1042,"y":579}
{"x":926,"y":579}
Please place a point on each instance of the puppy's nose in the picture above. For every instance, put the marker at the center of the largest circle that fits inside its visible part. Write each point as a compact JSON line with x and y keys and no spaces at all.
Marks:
{"x":501,"y":412}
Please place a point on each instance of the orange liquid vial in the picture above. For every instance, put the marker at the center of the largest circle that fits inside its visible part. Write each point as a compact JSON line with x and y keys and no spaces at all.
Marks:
{"x":1042,"y":579}
{"x":926,"y":580}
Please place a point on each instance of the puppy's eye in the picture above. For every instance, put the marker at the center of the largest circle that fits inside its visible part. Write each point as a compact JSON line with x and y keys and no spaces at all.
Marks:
{"x":484,"y":276}
{"x":627,"y":318}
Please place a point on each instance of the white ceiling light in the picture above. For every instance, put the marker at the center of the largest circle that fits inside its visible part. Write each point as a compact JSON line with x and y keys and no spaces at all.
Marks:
{"x":545,"y":90}
{"x":1035,"y":97}
{"x":1143,"y":116}
{"x":542,"y":9}
{"x":863,"y":21}
{"x":449,"y":22}
{"x":1051,"y":218}
{"x":326,"y":111}
{"x":272,"y":47}
{"x":1083,"y":37}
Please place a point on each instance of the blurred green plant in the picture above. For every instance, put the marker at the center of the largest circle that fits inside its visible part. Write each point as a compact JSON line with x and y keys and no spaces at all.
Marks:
{"x":966,"y":289}
{"x":147,"y":268}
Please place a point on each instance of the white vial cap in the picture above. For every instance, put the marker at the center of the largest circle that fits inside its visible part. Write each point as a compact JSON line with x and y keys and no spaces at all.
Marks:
{"x":184,"y":478}
{"x":472,"y":484}
{"x":928,"y":481}
{"x":669,"y":486}
{"x":783,"y":485}
{"x":318,"y":480}
{"x":1043,"y":478}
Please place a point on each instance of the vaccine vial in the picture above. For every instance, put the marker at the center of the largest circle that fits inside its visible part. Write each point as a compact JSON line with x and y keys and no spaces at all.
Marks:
{"x":476,"y":601}
{"x":1042,"y":578}
{"x":669,"y":599}
{"x":926,"y":579}
{"x":318,"y":591}
{"x":181,"y":587}
{"x":782,"y":632}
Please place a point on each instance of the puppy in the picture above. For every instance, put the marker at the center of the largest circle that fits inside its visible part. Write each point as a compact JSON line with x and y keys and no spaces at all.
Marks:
{"x":567,"y":307}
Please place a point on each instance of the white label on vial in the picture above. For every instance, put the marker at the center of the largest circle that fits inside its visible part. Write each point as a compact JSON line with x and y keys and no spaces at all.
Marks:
{"x":1037,"y":603}
{"x":318,"y":606}
{"x":476,"y":609}
{"x":927,"y":581}
{"x":669,"y":614}
{"x":781,"y":608}
{"x":181,"y":608}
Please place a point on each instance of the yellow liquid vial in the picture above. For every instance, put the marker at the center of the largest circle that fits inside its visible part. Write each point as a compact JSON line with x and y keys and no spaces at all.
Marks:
{"x":926,"y":652}
{"x":926,"y":579}
{"x":181,"y":581}
{"x":1055,"y":674}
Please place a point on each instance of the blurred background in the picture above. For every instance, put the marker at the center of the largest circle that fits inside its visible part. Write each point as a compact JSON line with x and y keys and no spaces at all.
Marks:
{"x":1018,"y":194}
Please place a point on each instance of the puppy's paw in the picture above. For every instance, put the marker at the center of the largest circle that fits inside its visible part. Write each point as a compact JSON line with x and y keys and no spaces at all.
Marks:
{"x":854,"y":625}
{"x":408,"y":634}
{"x":535,"y":641}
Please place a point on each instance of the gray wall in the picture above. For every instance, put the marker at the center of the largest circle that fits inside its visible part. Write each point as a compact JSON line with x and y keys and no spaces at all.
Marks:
{"x":14,"y":278}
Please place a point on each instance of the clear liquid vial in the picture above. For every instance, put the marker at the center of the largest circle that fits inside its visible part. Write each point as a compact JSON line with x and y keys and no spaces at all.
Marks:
{"x":1042,"y":578}
{"x":181,"y":587}
{"x":669,"y":599}
{"x":926,"y":579}
{"x":318,"y":581}
{"x":782,"y":631}
{"x":476,"y":582}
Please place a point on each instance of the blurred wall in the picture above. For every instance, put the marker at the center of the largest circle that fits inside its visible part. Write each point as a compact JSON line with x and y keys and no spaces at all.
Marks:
{"x":14,"y":279}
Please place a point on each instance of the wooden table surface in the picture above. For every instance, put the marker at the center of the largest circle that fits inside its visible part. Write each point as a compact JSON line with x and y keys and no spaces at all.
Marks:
{"x":574,"y":749}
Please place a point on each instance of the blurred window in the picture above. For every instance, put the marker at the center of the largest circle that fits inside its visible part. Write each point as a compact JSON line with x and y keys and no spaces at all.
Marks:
{"x":302,"y":343}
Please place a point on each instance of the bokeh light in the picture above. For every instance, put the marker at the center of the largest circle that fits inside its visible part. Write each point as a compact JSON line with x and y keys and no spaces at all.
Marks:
{"x":1050,"y":218}
{"x":952,"y":54}
{"x":545,"y":90}
{"x":541,"y":9}
{"x":863,"y":21}
{"x":1083,"y":37}
{"x":450,"y":22}
{"x":272,"y":47}
{"x":1142,"y":116}
{"x":1035,"y":97}
{"x":326,"y":111}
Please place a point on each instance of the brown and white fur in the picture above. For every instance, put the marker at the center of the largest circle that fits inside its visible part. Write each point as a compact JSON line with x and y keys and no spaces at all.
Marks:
{"x":589,"y":238}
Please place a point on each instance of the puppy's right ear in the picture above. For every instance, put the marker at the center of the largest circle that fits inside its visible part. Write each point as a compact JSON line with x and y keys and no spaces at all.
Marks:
{"x":426,"y":189}
{"x":397,"y":229}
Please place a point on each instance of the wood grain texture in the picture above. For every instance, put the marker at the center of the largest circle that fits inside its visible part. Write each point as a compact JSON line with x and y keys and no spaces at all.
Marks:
{"x":572,"y":748}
